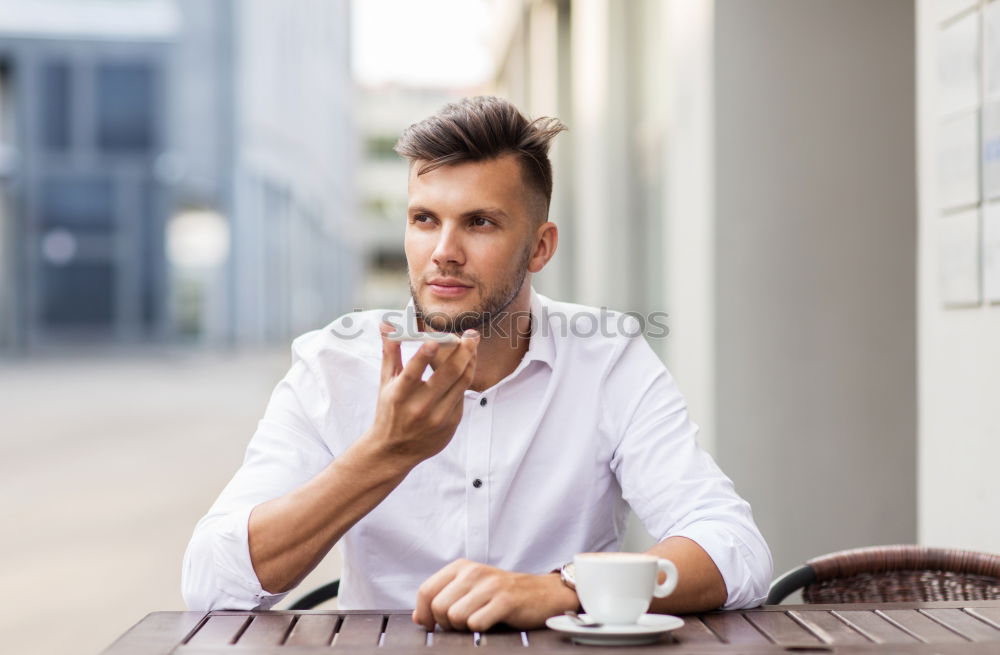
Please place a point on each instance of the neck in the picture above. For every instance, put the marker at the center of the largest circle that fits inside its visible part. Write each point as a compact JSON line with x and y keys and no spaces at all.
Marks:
{"x":504,"y":342}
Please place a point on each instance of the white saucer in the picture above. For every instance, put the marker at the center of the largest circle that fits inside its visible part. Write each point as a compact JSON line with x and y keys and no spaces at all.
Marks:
{"x":649,"y":628}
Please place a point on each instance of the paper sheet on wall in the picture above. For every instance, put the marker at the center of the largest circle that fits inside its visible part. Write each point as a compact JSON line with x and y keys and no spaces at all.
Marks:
{"x":991,"y":253}
{"x":991,"y":150}
{"x":958,"y":158}
{"x":991,"y":46}
{"x":958,"y":258}
{"x":958,"y":65}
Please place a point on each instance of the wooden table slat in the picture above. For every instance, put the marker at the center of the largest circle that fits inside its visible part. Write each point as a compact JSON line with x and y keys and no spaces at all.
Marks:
{"x":219,"y":630}
{"x":157,"y":632}
{"x":924,"y":628}
{"x":968,"y":626}
{"x":313,"y":630}
{"x":266,"y":630}
{"x":875,"y":627}
{"x":733,"y":628}
{"x":546,"y":639}
{"x":828,"y":628}
{"x":452,"y":640}
{"x":990,"y":615}
{"x":359,"y":630}
{"x":402,"y":632}
{"x":781,"y":628}
{"x":501,"y":640}
{"x":694,"y":631}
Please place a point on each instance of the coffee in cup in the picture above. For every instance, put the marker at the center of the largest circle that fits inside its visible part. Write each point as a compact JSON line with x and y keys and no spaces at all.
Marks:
{"x":616,"y":588}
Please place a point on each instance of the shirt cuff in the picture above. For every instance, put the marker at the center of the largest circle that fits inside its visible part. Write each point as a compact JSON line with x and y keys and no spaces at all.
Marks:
{"x":237,"y":579}
{"x":746,"y":584}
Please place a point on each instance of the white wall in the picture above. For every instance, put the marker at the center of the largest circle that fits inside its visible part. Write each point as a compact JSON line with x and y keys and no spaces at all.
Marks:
{"x":815,"y":240}
{"x":959,"y":348}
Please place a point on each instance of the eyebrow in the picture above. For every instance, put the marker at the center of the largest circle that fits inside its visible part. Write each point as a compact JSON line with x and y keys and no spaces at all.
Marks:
{"x":493,"y":211}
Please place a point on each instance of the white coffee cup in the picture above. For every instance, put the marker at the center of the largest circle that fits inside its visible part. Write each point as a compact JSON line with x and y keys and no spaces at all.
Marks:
{"x":616,"y":588}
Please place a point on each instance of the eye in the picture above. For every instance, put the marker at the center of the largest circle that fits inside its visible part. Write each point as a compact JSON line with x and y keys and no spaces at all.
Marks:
{"x":421,"y":218}
{"x":480,"y":221}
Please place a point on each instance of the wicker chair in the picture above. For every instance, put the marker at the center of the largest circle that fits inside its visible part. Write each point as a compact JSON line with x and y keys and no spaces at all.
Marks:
{"x":892,"y":574}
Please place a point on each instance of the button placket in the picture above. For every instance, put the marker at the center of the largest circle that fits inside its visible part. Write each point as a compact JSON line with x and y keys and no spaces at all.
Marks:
{"x":478,"y":477}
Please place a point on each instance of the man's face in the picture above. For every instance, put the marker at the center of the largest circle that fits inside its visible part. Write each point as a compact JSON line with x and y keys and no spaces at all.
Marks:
{"x":469,"y":239}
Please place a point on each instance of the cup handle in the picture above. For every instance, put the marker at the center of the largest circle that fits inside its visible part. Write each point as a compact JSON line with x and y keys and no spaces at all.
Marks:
{"x":668,"y":585}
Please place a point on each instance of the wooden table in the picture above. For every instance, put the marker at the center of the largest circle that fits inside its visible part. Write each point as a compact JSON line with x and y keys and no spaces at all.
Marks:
{"x":947,"y":628}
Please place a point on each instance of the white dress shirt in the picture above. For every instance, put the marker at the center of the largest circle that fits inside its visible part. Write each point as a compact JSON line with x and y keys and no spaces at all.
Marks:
{"x":544,"y":464}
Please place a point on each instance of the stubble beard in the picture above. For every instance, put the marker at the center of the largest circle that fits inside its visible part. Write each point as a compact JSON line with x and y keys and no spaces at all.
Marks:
{"x":489,"y":310}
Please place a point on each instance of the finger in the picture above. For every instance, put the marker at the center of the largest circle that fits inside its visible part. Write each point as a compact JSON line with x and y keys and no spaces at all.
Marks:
{"x":463,"y":608}
{"x":453,"y":400}
{"x":445,"y":350}
{"x":488,"y":615}
{"x":412,"y":373}
{"x":429,"y":590}
{"x":445,"y":606}
{"x":391,"y":358}
{"x":456,"y":392}
{"x":445,"y":377}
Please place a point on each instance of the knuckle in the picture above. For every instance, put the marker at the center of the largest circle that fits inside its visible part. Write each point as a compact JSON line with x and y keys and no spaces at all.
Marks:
{"x":439,"y":608}
{"x":495,"y":584}
{"x":454,"y":615}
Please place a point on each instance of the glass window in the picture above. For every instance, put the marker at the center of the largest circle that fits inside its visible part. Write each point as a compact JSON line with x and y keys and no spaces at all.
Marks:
{"x":55,"y":106}
{"x":81,"y":201}
{"x":79,"y":294}
{"x":125,"y":107}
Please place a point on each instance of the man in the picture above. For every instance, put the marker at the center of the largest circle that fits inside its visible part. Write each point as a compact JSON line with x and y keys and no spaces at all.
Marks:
{"x":459,"y":479}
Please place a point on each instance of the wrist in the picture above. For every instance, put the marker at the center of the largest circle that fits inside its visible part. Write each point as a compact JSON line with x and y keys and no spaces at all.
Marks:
{"x":564,"y":597}
{"x":370,"y":454}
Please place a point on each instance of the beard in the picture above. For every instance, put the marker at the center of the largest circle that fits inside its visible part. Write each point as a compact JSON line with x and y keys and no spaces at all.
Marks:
{"x":494,"y":302}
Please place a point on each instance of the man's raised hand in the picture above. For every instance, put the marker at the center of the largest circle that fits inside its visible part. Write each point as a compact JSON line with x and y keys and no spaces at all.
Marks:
{"x":416,"y":419}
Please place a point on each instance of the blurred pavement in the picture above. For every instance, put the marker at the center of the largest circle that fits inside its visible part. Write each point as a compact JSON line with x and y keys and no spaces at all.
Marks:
{"x":107,"y":463}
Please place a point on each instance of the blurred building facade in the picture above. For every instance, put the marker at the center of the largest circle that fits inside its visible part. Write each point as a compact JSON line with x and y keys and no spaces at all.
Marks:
{"x":84,"y":213}
{"x":296,"y":262}
{"x":174,"y":171}
{"x":726,"y":163}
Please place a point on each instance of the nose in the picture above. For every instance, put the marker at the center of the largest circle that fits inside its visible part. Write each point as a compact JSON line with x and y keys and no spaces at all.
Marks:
{"x":448,"y":250}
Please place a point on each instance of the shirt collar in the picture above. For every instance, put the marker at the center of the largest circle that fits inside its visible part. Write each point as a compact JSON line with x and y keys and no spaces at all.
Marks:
{"x":542,"y":346}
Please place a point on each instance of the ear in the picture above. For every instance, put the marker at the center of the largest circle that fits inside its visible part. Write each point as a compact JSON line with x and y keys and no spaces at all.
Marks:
{"x":546,"y":239}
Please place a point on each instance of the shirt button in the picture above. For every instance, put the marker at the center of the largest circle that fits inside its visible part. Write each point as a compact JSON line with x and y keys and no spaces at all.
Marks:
{"x":482,"y":403}
{"x":477,"y":483}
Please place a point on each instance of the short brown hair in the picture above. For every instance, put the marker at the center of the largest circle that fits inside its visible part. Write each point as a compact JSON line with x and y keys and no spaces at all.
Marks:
{"x":483,"y":128}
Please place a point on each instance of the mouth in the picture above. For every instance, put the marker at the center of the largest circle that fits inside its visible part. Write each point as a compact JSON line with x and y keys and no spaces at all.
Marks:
{"x":448,"y":288}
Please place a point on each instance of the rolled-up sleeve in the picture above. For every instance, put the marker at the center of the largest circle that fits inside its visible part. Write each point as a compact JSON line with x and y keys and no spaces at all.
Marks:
{"x":286,"y":451}
{"x":674,"y":487}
